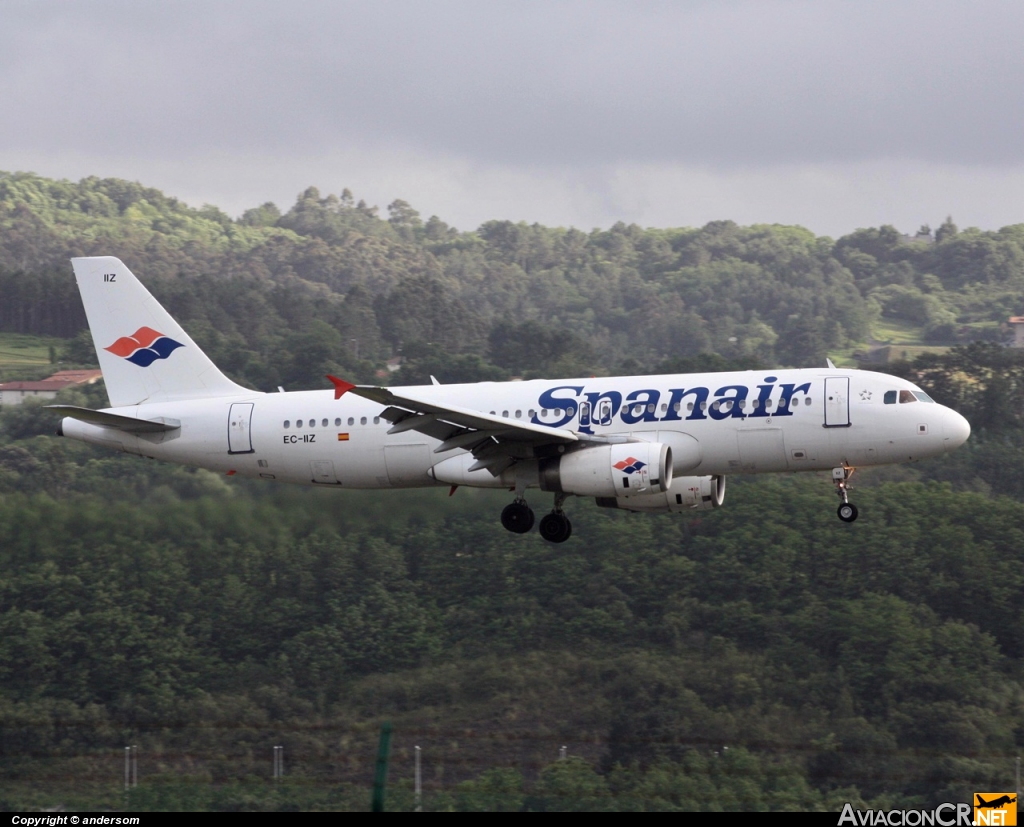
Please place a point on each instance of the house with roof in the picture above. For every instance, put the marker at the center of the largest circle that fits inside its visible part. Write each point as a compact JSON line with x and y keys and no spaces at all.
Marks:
{"x":1017,"y":326}
{"x":15,"y":393}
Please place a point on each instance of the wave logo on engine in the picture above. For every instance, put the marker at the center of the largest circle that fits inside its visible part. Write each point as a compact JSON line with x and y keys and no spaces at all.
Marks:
{"x":144,"y":347}
{"x":630,"y":465}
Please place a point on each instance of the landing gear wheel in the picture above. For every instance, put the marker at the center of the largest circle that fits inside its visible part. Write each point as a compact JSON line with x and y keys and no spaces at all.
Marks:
{"x":517,"y":517}
{"x":847,"y":512}
{"x":555,"y":527}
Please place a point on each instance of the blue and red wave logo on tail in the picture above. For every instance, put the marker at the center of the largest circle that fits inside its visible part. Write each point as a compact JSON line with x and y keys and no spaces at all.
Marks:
{"x":144,"y":347}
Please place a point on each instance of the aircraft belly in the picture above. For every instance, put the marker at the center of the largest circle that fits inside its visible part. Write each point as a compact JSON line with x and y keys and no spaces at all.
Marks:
{"x":408,"y":465}
{"x":761,"y":449}
{"x":361,"y":465}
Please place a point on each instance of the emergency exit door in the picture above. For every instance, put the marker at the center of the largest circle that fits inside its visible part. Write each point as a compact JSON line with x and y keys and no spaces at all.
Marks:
{"x":239,"y":436}
{"x":837,"y":402}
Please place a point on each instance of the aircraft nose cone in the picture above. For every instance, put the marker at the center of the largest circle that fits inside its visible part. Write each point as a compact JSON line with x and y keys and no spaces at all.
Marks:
{"x":956,"y":430}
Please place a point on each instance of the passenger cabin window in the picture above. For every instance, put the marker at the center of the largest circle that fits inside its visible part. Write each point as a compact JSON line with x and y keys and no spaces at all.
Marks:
{"x":351,"y":420}
{"x":337,"y":422}
{"x":890,"y":397}
{"x":362,"y":420}
{"x":324,"y":423}
{"x":376,"y":420}
{"x":287,"y":423}
{"x":906,"y":396}
{"x":298,"y":423}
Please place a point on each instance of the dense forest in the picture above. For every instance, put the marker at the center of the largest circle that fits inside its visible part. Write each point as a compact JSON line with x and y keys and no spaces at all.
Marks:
{"x":280,"y":298}
{"x":763,"y":656}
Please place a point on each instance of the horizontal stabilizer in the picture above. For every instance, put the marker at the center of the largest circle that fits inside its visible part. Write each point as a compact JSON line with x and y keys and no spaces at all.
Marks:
{"x":129,"y":424}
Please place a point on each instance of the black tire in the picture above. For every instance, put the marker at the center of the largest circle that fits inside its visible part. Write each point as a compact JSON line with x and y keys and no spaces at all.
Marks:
{"x":847,"y":512}
{"x":555,"y":527}
{"x":517,"y":517}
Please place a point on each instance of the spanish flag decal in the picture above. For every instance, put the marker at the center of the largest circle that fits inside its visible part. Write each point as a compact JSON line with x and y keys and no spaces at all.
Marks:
{"x":342,"y":437}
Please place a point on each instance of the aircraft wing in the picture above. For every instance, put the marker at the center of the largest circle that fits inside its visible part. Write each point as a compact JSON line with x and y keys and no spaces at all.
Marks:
{"x":129,"y":424}
{"x":495,"y":441}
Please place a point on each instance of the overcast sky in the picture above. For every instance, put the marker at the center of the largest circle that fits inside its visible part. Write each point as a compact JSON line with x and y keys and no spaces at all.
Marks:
{"x":834,"y":115}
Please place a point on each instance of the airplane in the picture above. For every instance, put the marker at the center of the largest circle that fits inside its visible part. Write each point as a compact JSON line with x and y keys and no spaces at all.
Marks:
{"x":996,"y":803}
{"x":640,"y":443}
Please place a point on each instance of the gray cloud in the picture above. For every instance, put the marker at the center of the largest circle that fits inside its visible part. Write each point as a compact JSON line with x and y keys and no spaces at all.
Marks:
{"x":568,"y":84}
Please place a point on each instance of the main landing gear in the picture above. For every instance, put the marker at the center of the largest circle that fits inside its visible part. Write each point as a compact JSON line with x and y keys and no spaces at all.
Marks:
{"x":517,"y":517}
{"x":555,"y":527}
{"x":847,"y":511}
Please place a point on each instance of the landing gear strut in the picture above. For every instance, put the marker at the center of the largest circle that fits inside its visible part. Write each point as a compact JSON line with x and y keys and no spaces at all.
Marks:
{"x":555,"y":527}
{"x":517,"y":517}
{"x":847,"y":511}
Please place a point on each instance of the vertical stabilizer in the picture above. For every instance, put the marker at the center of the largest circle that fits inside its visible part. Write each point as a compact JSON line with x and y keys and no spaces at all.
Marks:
{"x":144,"y":354}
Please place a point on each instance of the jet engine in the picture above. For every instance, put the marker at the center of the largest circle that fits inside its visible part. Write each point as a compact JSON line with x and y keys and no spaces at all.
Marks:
{"x":684,"y":494}
{"x":628,"y":469}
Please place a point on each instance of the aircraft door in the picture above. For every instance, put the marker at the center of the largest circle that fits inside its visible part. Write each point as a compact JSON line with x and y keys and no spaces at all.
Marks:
{"x":584,"y":415}
{"x":239,"y":434}
{"x":605,"y":414}
{"x":837,"y":402}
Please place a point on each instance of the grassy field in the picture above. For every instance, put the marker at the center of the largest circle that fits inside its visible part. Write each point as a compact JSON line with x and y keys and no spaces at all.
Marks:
{"x":26,"y":357}
{"x":891,"y":340}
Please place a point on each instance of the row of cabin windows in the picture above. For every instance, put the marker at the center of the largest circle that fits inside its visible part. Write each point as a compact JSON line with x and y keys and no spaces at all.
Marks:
{"x":890,"y":398}
{"x":325,"y":422}
{"x":905,"y":397}
{"x":638,"y":410}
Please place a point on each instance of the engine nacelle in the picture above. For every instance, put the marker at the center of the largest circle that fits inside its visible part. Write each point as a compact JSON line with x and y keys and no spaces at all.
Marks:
{"x":684,"y":494}
{"x":628,"y":470}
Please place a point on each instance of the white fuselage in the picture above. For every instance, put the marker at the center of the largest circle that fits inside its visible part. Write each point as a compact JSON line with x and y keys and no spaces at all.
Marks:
{"x":743,"y":422}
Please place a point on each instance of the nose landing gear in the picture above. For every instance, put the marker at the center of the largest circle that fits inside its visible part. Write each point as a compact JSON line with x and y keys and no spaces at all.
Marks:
{"x":847,"y":511}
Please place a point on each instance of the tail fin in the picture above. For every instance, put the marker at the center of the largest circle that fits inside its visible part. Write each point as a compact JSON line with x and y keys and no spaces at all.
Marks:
{"x":144,"y":354}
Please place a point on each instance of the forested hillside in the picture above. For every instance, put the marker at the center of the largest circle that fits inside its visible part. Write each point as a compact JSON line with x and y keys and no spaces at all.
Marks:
{"x":278,"y":298}
{"x":761,"y":656}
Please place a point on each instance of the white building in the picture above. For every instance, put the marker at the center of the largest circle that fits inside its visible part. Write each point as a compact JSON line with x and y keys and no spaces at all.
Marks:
{"x":14,"y":393}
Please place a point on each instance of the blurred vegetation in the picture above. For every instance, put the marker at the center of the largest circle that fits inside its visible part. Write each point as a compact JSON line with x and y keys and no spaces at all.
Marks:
{"x":760,"y":657}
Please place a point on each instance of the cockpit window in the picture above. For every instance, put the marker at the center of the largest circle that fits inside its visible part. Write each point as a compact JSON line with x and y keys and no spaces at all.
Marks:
{"x":923,"y":396}
{"x":906,"y":396}
{"x":890,"y":397}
